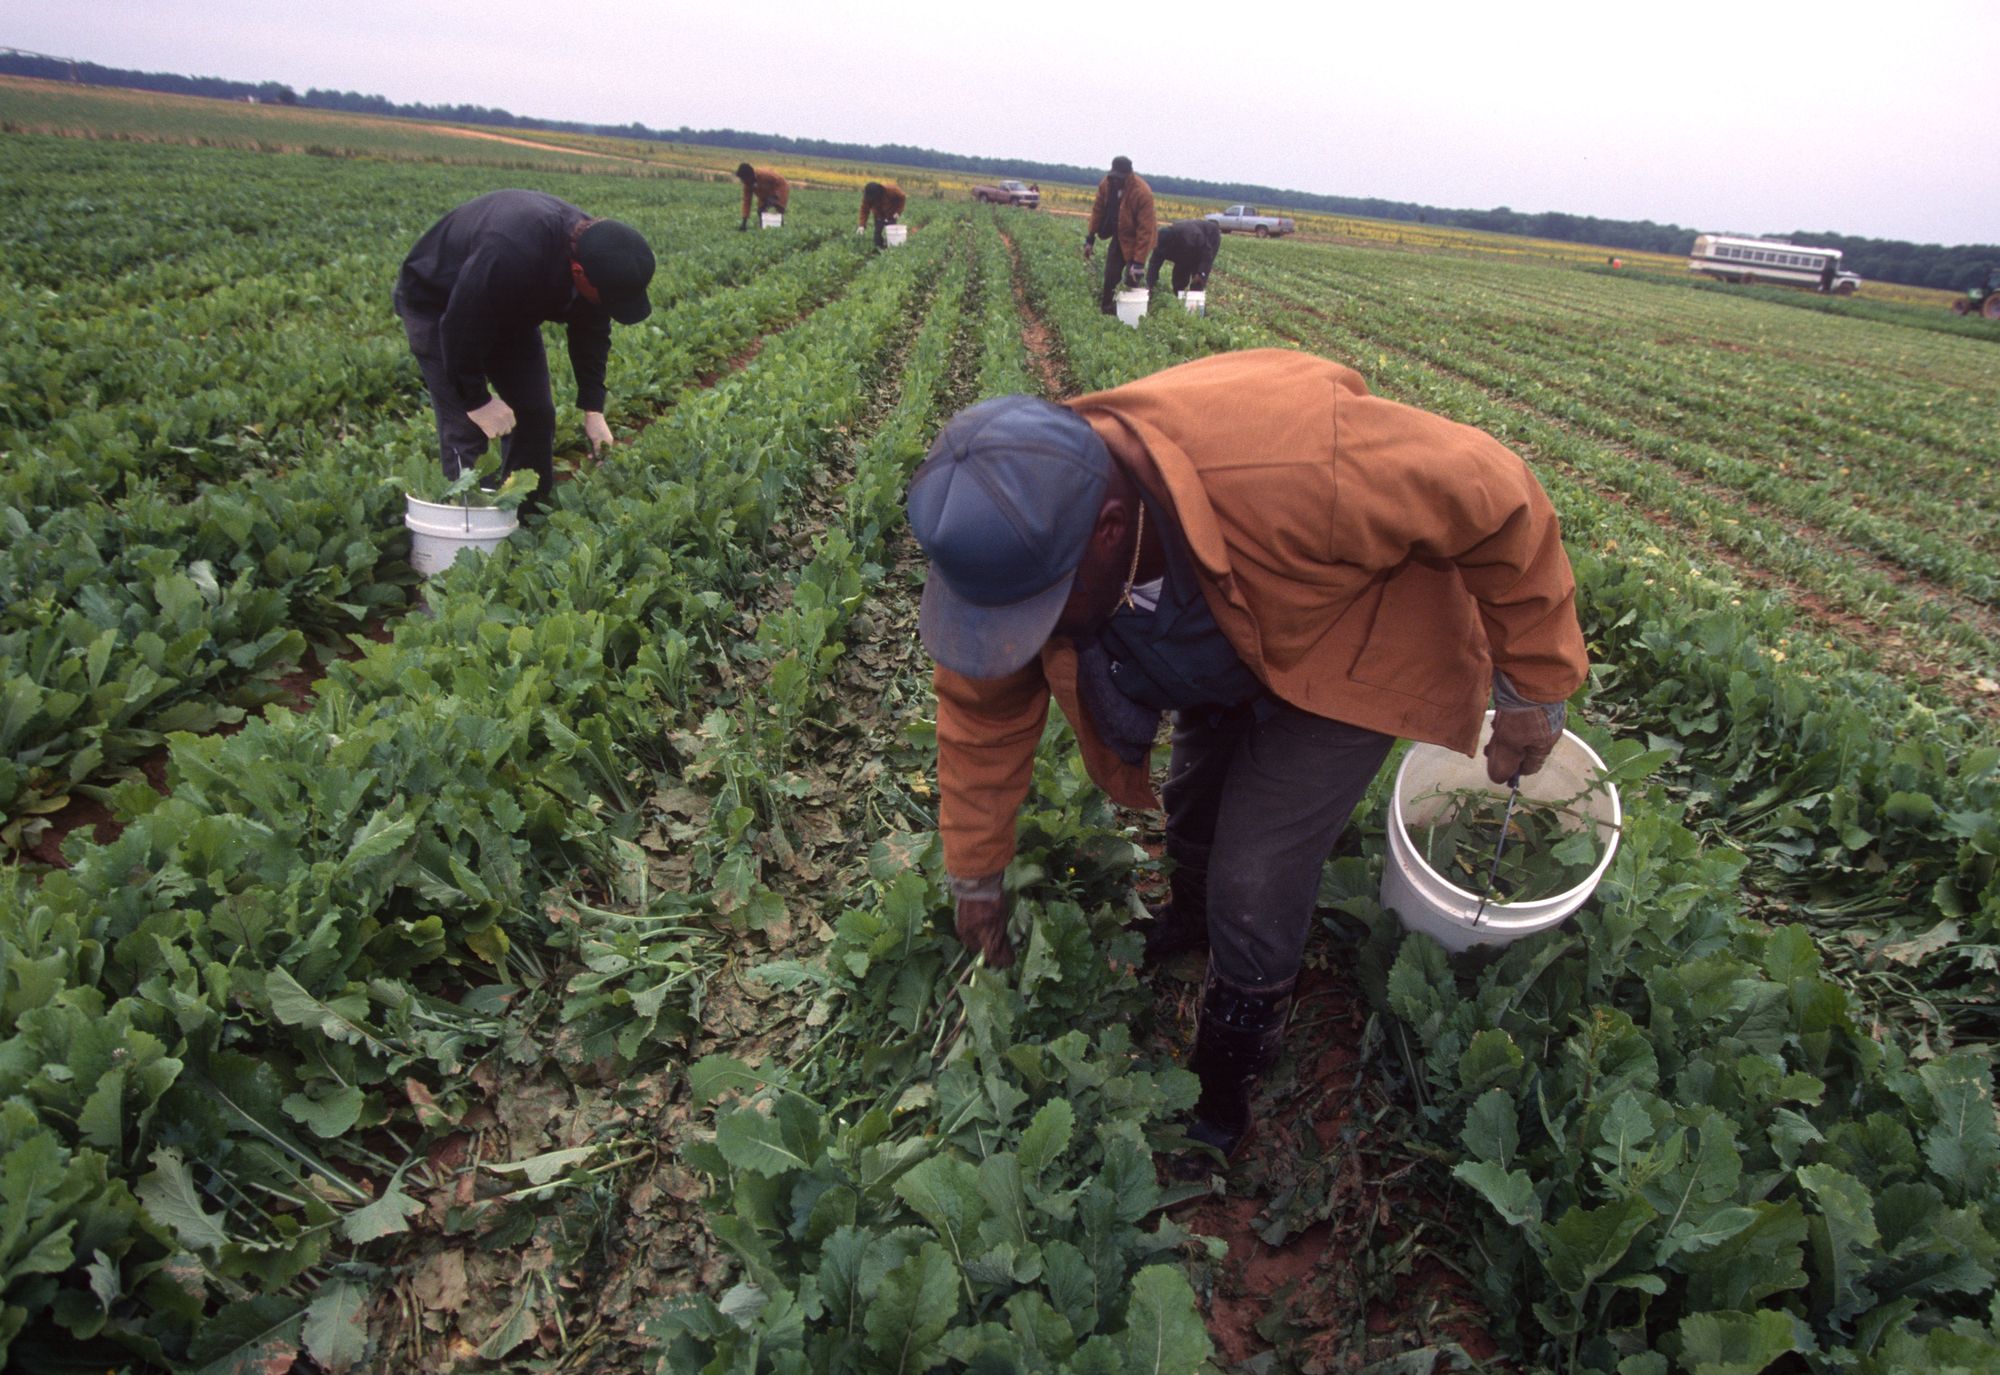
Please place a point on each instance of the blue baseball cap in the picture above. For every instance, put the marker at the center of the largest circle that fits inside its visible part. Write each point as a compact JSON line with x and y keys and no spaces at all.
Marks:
{"x":1004,"y":506}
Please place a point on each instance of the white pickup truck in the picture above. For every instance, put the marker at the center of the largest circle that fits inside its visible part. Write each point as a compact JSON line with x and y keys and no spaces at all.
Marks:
{"x":1244,"y":219}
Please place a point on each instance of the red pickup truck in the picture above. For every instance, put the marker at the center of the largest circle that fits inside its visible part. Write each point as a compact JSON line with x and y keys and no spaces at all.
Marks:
{"x":1008,"y":193}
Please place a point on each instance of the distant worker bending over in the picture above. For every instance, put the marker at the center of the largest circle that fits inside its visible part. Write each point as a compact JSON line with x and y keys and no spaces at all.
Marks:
{"x":1122,"y":215}
{"x":473,"y":295}
{"x":771,"y":191}
{"x":885,"y":201}
{"x":1191,"y":246}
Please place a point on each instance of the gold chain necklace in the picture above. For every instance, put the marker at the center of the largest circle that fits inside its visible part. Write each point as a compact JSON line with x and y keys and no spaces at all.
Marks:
{"x":1132,"y":574}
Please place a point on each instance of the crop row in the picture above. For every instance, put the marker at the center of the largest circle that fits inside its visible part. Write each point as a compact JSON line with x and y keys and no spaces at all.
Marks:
{"x":956,"y":1171}
{"x":309,"y":874}
{"x":119,"y":615}
{"x":1575,"y":380}
{"x":1949,"y":633}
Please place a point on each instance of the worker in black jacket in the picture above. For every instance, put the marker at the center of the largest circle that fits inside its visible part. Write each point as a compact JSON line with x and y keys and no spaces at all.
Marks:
{"x":473,"y":295}
{"x":1191,"y":246}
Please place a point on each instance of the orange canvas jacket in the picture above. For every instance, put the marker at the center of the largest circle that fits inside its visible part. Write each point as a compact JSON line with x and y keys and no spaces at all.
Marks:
{"x":1138,"y":228}
{"x":1369,"y":562}
{"x":892,"y":205}
{"x":769,"y":188}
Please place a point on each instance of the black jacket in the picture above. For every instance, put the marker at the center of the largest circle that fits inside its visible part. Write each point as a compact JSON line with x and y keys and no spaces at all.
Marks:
{"x":1191,"y":244}
{"x":494,"y":267}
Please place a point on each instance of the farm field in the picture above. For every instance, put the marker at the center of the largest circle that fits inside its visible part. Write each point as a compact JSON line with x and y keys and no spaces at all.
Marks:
{"x":556,"y":972}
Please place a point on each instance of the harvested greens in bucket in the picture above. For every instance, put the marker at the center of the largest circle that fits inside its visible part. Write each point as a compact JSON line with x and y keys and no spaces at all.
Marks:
{"x":1551,"y":846}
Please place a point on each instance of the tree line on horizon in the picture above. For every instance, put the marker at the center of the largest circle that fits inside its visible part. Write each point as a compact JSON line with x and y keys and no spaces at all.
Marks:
{"x":1952,"y":267}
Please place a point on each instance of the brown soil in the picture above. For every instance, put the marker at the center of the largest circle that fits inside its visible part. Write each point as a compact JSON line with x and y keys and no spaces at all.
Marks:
{"x":1044,"y":357}
{"x":1329,"y":1230}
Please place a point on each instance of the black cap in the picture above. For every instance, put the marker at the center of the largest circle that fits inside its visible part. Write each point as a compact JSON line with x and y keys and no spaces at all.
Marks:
{"x":1121,"y":164}
{"x":1004,"y":506}
{"x":619,"y":263}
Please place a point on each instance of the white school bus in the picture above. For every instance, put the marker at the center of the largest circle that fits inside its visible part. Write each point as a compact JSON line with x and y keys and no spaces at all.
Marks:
{"x":1768,"y":260}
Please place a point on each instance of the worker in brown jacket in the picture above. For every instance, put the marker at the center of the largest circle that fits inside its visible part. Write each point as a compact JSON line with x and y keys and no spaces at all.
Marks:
{"x":771,"y":190}
{"x":1302,"y":573}
{"x":885,"y":201}
{"x":1123,"y":216}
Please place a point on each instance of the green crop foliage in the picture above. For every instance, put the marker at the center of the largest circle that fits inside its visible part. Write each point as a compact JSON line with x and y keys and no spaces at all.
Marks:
{"x":1734,"y":1114}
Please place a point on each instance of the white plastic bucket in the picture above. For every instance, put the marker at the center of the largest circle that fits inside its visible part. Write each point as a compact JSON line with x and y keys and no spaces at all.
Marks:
{"x":439,"y":533}
{"x":770,"y":219}
{"x":1424,"y":900}
{"x":1131,"y":303}
{"x":894,"y":234}
{"x":1195,"y":301}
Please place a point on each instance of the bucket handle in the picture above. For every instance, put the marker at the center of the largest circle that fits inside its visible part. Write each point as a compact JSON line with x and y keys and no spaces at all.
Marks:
{"x":1500,"y":845}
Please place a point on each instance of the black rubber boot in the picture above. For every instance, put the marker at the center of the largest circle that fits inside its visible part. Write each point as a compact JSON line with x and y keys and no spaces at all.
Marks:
{"x":1238,"y":1039}
{"x":1179,"y":924}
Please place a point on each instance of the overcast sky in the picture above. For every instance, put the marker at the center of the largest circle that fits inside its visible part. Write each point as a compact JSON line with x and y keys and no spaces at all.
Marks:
{"x":1865,"y":119}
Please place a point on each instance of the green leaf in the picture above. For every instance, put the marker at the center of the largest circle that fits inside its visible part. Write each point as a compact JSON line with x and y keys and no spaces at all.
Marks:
{"x":1735,"y":1343}
{"x":1626,"y":1128}
{"x":328,"y":1117}
{"x":916,"y":1303}
{"x":1492,"y":1130}
{"x":343,"y":1019}
{"x":714,"y":1075}
{"x":1963,"y":1146}
{"x":1492,"y":1058}
{"x":254,"y":1337}
{"x":1844,"y":1238}
{"x":1586,"y":1242}
{"x":1709,"y":1228}
{"x":540,"y":1169}
{"x":1046,"y":1137}
{"x":377,"y":839}
{"x":1763,"y":1259}
{"x":1164,"y":1334}
{"x":751,"y":1140}
{"x":1511,"y":1192}
{"x":386,"y":1216}
{"x":336,"y":1333}
{"x":171,"y":1197}
{"x":944,"y":1191}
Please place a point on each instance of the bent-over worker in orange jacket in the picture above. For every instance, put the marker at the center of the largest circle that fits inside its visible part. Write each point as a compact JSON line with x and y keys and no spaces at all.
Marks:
{"x":1122,"y":214}
{"x":1299,"y":571}
{"x":884,"y":200}
{"x":771,"y":190}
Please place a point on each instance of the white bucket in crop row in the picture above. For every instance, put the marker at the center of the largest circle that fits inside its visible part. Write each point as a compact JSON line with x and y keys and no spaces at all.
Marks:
{"x":1424,"y":900}
{"x":771,"y":219}
{"x":439,"y":534}
{"x":1195,"y":301}
{"x":894,"y":234}
{"x":1132,"y":305}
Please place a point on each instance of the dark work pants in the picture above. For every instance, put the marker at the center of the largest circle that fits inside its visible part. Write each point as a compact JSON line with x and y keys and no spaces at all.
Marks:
{"x":517,"y":369}
{"x":1257,"y":796}
{"x":1114,"y":272}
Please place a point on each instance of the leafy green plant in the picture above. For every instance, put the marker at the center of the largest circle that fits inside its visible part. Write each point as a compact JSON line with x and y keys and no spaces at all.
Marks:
{"x":1507,"y":850}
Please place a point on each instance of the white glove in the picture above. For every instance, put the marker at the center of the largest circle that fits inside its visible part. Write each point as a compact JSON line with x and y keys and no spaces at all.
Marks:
{"x":496,"y":418}
{"x":596,"y":431}
{"x":861,"y":229}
